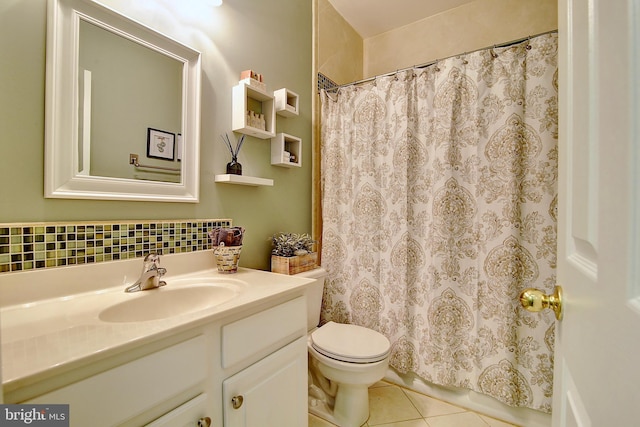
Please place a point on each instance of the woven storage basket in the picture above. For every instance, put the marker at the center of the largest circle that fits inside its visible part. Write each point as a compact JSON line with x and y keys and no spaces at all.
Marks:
{"x":227,"y":258}
{"x":294,"y":264}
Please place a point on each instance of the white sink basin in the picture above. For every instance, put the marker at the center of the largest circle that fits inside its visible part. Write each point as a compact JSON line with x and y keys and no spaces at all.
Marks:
{"x":169,"y":301}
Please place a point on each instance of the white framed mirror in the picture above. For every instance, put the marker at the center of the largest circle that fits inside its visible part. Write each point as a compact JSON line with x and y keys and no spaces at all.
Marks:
{"x":122,"y":109}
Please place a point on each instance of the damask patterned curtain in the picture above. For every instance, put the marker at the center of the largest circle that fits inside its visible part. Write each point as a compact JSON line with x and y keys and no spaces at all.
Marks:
{"x":439,"y":207}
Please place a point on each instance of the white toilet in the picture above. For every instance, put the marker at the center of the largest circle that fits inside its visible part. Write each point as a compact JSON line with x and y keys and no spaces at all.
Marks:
{"x":344,"y":360}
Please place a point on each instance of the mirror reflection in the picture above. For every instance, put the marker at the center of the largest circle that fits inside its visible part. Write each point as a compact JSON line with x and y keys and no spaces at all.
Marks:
{"x":130,"y":103}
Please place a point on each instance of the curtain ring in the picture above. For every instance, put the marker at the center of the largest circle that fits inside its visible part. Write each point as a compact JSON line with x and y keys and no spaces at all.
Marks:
{"x":528,"y":43}
{"x":436,"y":68}
{"x":494,"y":55}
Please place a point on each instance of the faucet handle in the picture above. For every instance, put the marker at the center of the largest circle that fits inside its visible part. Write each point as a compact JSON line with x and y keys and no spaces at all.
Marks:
{"x":151,"y":262}
{"x":152,"y":258}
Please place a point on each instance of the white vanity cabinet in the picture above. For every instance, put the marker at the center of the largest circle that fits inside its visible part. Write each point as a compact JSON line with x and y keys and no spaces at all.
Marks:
{"x":244,"y":368}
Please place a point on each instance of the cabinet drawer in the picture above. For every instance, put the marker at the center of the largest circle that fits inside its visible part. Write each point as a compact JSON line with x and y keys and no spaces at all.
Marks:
{"x":113,"y":396}
{"x":186,"y":415}
{"x":262,"y":333}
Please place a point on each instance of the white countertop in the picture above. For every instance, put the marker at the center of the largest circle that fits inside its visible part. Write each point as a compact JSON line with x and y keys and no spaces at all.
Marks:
{"x":44,"y":336}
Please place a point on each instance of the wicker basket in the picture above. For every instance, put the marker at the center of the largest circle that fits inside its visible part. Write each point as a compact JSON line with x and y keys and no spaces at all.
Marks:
{"x":227,"y":258}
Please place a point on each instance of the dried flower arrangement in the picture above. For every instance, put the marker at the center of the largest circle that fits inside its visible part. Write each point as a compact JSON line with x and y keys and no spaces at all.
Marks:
{"x":291,"y":244}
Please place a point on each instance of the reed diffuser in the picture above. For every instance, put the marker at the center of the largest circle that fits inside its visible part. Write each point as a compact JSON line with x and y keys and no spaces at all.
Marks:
{"x":233,"y":167}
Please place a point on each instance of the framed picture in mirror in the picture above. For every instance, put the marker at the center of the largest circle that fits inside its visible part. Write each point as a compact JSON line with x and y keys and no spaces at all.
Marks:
{"x":160,"y":144}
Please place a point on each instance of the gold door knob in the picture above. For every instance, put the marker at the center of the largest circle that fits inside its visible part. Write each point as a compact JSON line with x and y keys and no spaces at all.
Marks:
{"x":237,"y":401}
{"x":535,"y":300}
{"x":204,"y":422}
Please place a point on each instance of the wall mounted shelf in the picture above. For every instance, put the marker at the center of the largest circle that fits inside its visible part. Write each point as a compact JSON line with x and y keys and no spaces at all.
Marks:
{"x":286,"y":151}
{"x":286,"y":102}
{"x":247,"y":98}
{"x":243,"y":180}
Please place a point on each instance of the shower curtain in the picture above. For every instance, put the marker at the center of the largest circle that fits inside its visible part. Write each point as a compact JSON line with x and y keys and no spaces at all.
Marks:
{"x":439,"y":202}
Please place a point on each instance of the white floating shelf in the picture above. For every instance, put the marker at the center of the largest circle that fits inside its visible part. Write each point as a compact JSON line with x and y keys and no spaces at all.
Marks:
{"x":248,"y":98}
{"x":284,"y":148}
{"x":243,"y":180}
{"x":286,"y":102}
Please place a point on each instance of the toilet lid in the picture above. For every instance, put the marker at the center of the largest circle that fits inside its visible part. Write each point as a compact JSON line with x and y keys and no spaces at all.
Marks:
{"x":350,"y":343}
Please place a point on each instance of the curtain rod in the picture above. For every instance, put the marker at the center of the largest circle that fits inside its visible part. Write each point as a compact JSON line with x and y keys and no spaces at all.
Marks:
{"x":426,"y":64}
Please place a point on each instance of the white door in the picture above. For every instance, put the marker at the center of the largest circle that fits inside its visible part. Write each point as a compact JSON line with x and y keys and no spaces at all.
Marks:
{"x":597,"y":359}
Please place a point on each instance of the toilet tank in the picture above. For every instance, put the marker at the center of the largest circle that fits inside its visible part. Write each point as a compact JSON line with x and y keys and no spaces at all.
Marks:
{"x":313,"y":294}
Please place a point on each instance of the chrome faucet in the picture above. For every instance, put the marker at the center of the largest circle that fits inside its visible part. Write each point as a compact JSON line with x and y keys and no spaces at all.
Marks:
{"x":151,"y":274}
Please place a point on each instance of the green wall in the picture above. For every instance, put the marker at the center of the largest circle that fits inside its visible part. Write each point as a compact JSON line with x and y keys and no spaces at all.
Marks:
{"x":273,"y":37}
{"x":133,"y":88}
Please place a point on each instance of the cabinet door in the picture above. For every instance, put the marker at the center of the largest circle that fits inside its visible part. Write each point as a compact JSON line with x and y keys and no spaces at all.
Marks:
{"x":271,"y":392}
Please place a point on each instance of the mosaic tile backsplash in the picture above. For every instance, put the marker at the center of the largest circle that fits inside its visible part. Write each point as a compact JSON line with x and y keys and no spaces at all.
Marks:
{"x":43,"y":245}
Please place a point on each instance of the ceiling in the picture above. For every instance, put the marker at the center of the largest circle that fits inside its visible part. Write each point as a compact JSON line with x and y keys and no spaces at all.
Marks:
{"x":372,"y":17}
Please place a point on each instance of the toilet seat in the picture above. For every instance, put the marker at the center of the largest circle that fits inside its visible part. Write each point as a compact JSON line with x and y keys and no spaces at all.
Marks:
{"x":350,"y":343}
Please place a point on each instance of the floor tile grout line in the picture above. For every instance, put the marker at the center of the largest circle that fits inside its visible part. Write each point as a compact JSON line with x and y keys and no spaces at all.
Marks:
{"x":422,"y":417}
{"x":387,"y":384}
{"x":404,"y":391}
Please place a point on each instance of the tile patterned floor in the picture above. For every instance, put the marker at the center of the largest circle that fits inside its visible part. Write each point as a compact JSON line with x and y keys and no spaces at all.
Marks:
{"x":393,"y":406}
